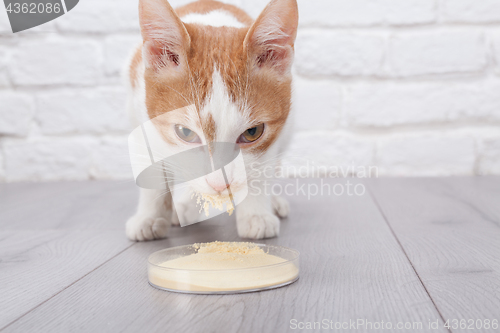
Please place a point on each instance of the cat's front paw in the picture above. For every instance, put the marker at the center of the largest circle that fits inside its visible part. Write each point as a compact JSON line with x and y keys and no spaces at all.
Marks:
{"x":185,"y":212}
{"x":144,"y":228}
{"x":266,"y":225}
{"x":281,"y":206}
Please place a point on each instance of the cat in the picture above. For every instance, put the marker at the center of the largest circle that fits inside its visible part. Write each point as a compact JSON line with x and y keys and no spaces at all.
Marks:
{"x":236,"y":72}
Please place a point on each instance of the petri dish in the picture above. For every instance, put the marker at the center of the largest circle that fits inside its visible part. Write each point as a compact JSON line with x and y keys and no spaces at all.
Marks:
{"x":222,"y":281}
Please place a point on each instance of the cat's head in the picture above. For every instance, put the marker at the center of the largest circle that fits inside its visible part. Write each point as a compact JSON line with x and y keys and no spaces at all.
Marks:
{"x":237,"y":78}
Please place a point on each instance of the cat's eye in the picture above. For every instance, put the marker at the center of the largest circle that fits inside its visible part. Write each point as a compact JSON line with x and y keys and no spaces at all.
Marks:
{"x":187,"y":135}
{"x":251,"y":134}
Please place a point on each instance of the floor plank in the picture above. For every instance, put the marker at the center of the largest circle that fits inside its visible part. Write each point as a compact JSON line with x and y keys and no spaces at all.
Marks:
{"x":67,"y":205}
{"x":450,"y":230}
{"x":36,"y":265}
{"x":351,"y":268}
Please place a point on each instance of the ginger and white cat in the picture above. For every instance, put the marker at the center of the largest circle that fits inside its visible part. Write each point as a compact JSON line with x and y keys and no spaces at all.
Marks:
{"x":237,"y":74}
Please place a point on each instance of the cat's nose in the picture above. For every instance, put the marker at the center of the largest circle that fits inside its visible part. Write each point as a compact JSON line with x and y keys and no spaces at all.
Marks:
{"x":217,"y":182}
{"x":219,"y":187}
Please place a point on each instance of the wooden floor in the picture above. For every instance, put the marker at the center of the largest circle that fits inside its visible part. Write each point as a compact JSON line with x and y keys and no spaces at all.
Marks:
{"x":408,"y":251}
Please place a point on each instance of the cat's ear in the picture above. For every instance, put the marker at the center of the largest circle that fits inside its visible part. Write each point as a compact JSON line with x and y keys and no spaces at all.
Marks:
{"x":269,"y":42}
{"x":166,"y":39}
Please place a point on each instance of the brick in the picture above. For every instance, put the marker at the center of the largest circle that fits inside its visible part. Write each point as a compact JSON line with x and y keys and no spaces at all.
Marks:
{"x":471,"y":11}
{"x":2,"y":169}
{"x":49,"y":159}
{"x":4,"y":56}
{"x":408,"y":12}
{"x":366,"y":12}
{"x":99,"y":16}
{"x":436,"y":53}
{"x":4,"y":59}
{"x":316,"y":104}
{"x":118,"y":49}
{"x":110,"y":159}
{"x":83,"y":111}
{"x":426,"y":154}
{"x":489,"y":155}
{"x":323,"y":149}
{"x":16,"y":113}
{"x":4,"y":79}
{"x":326,"y":53}
{"x":390,"y":104}
{"x":495,"y":42}
{"x":56,"y":62}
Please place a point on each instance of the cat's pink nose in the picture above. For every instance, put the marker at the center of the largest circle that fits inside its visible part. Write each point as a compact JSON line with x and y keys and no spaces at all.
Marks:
{"x":216,"y":181}
{"x":217,"y":185}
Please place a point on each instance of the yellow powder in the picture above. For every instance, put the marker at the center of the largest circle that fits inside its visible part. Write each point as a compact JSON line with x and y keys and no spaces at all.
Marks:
{"x":228,"y":247}
{"x":216,"y":201}
{"x":223,"y":266}
{"x":224,"y":255}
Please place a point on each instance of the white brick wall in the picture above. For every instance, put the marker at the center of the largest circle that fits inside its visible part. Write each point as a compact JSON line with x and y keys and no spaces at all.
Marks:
{"x":94,"y":111}
{"x":337,"y":151}
{"x":471,"y":11}
{"x":412,"y":87}
{"x":16,"y":113}
{"x":330,"y":53}
{"x":428,"y":53}
{"x":388,"y":104}
{"x":55,"y":61}
{"x":347,"y":13}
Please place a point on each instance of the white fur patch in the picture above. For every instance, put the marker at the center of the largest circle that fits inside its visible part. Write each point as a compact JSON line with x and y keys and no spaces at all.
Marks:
{"x":229,"y":121}
{"x":215,"y":18}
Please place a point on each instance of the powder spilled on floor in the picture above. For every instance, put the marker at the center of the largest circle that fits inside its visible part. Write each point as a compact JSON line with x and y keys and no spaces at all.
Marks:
{"x":223,"y":266}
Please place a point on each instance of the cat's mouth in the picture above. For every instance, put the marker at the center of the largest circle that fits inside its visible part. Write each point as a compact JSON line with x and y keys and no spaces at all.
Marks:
{"x":233,"y":188}
{"x":218,"y":201}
